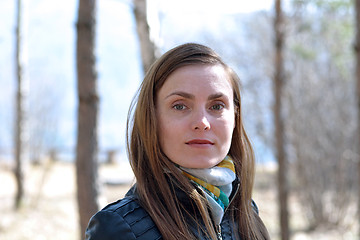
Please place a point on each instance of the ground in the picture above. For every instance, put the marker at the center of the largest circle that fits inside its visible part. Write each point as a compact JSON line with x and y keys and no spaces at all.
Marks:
{"x":49,"y":210}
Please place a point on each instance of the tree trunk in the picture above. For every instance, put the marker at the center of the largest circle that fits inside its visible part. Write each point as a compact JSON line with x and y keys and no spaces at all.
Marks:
{"x":147,"y":47}
{"x":357,"y":77}
{"x":20,"y":114}
{"x":86,"y":151}
{"x":279,"y":79}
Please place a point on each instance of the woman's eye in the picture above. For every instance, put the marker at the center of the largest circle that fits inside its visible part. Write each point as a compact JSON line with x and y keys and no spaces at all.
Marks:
{"x":179,"y":107}
{"x":217,"y":107}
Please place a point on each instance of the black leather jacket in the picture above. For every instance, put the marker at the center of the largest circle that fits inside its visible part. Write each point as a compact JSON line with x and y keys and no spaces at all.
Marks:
{"x":127,"y":220}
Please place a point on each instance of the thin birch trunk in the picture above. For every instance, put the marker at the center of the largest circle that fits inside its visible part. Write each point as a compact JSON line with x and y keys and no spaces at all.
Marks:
{"x":357,"y":77}
{"x":279,"y":80}
{"x":147,"y":46}
{"x":87,"y":146}
{"x":20,"y":114}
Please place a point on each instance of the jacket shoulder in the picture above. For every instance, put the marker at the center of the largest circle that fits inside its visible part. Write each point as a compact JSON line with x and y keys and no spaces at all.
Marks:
{"x":124,"y":219}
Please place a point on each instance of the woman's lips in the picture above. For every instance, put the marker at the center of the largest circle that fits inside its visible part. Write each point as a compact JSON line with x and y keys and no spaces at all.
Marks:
{"x":199,"y":143}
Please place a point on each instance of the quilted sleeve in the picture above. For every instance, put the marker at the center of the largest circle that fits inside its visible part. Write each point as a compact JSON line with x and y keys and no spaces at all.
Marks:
{"x":108,"y":225}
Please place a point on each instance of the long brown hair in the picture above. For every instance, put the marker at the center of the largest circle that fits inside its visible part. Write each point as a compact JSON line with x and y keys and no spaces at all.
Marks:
{"x":153,"y":169}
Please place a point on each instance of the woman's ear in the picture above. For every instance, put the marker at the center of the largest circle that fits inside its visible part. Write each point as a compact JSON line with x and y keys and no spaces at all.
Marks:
{"x":236,"y":112}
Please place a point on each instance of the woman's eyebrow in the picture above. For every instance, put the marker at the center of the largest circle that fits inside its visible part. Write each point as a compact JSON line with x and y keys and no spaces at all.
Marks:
{"x":215,"y":96}
{"x":182,"y":94}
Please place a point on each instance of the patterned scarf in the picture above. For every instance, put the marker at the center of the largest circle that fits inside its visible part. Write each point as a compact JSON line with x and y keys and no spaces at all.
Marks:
{"x":216,"y":182}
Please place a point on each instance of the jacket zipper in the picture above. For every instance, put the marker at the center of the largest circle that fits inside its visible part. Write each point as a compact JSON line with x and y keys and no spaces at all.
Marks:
{"x":218,"y":227}
{"x":218,"y":232}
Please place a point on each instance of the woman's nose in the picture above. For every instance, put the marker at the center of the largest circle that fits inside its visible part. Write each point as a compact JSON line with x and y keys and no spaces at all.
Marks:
{"x":201,"y":122}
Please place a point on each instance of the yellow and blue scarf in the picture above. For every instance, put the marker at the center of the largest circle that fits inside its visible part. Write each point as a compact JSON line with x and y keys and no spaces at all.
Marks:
{"x":216,"y":182}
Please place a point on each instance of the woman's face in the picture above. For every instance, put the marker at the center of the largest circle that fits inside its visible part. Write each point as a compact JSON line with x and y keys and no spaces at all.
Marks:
{"x":195,"y":111}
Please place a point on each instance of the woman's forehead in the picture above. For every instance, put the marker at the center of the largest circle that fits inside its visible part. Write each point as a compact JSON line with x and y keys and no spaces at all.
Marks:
{"x":195,"y":79}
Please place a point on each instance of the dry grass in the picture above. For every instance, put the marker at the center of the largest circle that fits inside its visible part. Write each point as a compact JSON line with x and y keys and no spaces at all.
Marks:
{"x":265,"y":196}
{"x":50,"y":212}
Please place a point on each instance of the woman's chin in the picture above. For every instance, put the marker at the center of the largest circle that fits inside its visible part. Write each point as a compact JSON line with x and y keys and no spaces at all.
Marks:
{"x":201,"y":163}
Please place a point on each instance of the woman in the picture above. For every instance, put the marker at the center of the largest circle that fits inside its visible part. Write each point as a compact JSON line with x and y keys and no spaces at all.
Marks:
{"x":193,"y":162}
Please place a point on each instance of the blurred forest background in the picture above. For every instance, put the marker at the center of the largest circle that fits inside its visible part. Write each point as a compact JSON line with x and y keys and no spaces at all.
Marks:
{"x":297,"y":63}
